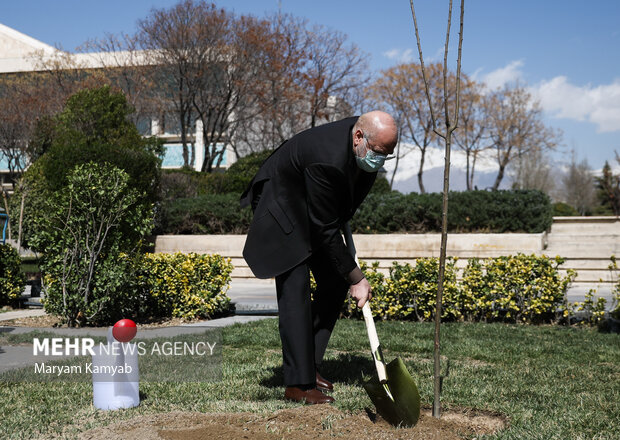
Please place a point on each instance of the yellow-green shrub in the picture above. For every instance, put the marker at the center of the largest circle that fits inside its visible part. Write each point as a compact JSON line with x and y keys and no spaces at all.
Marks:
{"x":185,"y":286}
{"x":592,"y":310}
{"x":410,"y":291}
{"x":520,"y":288}
{"x":613,"y":268}
{"x":516,"y":288}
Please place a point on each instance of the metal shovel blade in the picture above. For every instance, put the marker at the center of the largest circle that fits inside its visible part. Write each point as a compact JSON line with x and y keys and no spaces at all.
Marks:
{"x":397,"y":401}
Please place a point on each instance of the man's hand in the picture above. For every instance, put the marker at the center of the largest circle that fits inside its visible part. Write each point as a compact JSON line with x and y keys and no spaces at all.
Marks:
{"x":361,"y":292}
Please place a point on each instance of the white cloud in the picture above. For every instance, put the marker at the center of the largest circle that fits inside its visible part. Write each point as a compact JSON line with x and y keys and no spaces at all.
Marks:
{"x":400,"y":55}
{"x":392,"y":53}
{"x":599,"y":105}
{"x":499,"y":77}
{"x":560,"y":98}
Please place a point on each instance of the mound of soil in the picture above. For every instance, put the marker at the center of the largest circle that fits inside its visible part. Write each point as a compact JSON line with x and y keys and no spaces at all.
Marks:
{"x":301,"y":423}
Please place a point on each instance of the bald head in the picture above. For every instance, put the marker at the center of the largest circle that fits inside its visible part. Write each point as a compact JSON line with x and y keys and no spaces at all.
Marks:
{"x":380,"y":129}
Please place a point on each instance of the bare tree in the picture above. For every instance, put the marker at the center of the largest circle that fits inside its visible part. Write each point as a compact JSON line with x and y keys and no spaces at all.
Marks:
{"x":26,"y":100}
{"x":278,"y":110}
{"x":451,"y":123}
{"x":180,"y":41}
{"x":229,"y":90}
{"x":307,"y":77}
{"x":401,"y":88}
{"x":533,"y":170}
{"x":400,"y":150}
{"x":579,"y":186}
{"x":67,"y":73}
{"x":129,"y":68}
{"x":331,"y":68}
{"x":516,"y":127}
{"x":472,"y":136}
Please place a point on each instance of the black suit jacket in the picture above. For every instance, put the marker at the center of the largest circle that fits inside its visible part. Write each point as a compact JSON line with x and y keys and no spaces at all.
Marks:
{"x":302,"y":195}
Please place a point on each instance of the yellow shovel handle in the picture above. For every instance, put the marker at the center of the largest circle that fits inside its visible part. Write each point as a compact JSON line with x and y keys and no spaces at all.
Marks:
{"x":375,"y":347}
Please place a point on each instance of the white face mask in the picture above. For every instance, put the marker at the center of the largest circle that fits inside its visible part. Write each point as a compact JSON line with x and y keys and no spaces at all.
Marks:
{"x":371,"y":162}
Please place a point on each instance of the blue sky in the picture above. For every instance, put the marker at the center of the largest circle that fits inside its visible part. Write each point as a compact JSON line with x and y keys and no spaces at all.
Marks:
{"x":566,"y":51}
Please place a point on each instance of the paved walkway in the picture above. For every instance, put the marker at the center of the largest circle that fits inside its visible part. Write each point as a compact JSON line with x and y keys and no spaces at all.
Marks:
{"x":7,"y":316}
{"x":254,"y":297}
{"x":258,"y":298}
{"x":254,"y":300}
{"x":18,"y":356}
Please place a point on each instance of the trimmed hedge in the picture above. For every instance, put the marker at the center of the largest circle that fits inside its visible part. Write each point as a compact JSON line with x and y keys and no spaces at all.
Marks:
{"x":470,"y":211}
{"x":561,"y":209}
{"x":240,"y":174}
{"x":12,"y":279}
{"x":187,"y":286}
{"x":185,"y":183}
{"x":155,"y":286}
{"x":519,"y":288}
{"x":208,"y":214}
{"x":385,"y":212}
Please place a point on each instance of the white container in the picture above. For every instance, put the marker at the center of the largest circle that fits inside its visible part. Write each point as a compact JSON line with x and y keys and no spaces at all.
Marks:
{"x":115,"y":375}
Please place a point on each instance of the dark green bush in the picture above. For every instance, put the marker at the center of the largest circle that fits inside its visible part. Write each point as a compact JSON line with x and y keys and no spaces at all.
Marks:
{"x":182,"y":183}
{"x":470,"y":211}
{"x":240,"y":173}
{"x":94,"y":126}
{"x":381,"y":186}
{"x":381,"y":213}
{"x":561,"y":209}
{"x":86,"y":250}
{"x":12,"y":280}
{"x":209,"y":214}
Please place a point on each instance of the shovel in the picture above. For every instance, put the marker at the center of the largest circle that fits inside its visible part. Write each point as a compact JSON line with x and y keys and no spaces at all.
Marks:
{"x":393,"y":391}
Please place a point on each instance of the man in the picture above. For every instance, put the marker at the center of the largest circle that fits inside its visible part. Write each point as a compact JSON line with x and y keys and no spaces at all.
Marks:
{"x":302,"y":196}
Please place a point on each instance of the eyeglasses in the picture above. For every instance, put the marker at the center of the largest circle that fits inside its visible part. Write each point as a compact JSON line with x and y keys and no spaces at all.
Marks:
{"x":373,"y":152}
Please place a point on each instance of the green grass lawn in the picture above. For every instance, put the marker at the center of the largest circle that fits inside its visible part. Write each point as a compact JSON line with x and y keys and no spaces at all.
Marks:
{"x":551,"y":382}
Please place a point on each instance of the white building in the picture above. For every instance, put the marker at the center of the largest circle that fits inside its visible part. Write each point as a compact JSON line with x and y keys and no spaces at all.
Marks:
{"x":20,"y":53}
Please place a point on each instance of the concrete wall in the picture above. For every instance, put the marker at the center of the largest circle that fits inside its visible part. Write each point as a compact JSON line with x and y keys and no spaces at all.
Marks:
{"x":586,"y":242}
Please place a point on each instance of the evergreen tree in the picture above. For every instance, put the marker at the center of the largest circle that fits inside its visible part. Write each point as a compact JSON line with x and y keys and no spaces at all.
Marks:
{"x":608,"y":191}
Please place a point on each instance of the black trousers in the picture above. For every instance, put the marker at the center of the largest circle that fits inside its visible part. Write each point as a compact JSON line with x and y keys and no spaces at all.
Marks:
{"x":306,"y":325}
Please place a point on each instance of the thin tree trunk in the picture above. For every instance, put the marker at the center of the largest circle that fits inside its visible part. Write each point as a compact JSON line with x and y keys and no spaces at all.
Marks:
{"x":396,"y":164}
{"x":500,"y":176}
{"x":420,"y":171}
{"x":192,"y":160}
{"x":21,"y":219}
{"x":184,"y":128}
{"x":6,"y":209}
{"x":473,"y":170}
{"x":450,"y":127}
{"x":467,"y":182}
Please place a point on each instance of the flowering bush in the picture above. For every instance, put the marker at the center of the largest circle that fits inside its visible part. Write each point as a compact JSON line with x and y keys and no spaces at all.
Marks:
{"x":185,"y":286}
{"x":520,"y":288}
{"x":592,"y":310}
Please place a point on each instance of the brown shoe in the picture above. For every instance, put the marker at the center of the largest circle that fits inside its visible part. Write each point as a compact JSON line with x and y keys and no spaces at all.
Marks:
{"x":309,"y":397}
{"x":323,"y":384}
